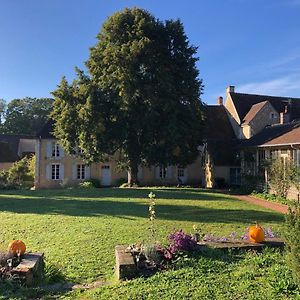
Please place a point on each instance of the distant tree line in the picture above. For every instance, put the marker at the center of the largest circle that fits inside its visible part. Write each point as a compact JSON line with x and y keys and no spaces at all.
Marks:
{"x":24,"y":116}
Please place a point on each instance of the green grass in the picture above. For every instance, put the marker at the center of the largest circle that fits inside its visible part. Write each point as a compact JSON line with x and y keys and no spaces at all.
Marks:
{"x":273,"y":198}
{"x":78,"y":229}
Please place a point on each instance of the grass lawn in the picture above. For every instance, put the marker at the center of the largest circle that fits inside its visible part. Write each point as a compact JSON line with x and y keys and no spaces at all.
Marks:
{"x":78,"y":229}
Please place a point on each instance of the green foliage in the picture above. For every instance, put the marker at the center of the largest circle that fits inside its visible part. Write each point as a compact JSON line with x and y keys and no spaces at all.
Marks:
{"x":141,"y":98}
{"x":2,"y":111}
{"x":271,"y":197}
{"x":249,"y":183}
{"x":53,"y":274}
{"x":121,"y":181}
{"x":282,"y":175}
{"x":292,"y":236}
{"x":26,"y":116}
{"x":21,"y":172}
{"x":86,"y":185}
{"x":90,"y":183}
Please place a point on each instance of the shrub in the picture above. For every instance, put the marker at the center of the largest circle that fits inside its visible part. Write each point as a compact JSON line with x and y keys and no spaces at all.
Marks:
{"x":86,"y":185}
{"x":120,"y":182}
{"x":96,"y":182}
{"x":282,"y":176}
{"x":20,"y":174}
{"x":90,"y":183}
{"x":292,"y":236}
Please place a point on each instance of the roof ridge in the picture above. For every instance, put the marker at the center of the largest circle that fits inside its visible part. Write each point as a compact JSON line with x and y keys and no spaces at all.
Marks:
{"x":271,"y":96}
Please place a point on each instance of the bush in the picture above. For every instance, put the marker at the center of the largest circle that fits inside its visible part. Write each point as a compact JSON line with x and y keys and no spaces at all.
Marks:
{"x":292,"y":236}
{"x":121,"y":181}
{"x":282,"y":176}
{"x":20,"y":174}
{"x":89,"y":184}
{"x":95,"y":182}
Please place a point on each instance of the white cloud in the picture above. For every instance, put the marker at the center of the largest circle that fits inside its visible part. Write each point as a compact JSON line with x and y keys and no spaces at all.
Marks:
{"x":283,"y":86}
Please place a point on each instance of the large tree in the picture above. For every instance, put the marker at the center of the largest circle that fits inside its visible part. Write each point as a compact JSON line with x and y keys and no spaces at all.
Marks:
{"x":141,"y":98}
{"x":27,"y":115}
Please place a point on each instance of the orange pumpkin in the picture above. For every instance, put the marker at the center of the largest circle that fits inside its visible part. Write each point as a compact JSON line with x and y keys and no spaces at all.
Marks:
{"x":256,"y":234}
{"x":17,"y":246}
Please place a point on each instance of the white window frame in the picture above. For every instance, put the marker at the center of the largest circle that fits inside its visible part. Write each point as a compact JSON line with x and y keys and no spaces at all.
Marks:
{"x":55,"y":150}
{"x":180,"y":172}
{"x":162,"y":172}
{"x":55,"y":171}
{"x":80,"y":171}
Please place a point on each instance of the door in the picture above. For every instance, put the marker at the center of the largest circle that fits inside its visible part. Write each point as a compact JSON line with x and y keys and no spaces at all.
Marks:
{"x":235,"y":176}
{"x":105,"y":175}
{"x":181,"y":175}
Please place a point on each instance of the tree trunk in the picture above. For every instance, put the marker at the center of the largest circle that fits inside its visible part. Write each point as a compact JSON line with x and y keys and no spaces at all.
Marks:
{"x":133,"y":173}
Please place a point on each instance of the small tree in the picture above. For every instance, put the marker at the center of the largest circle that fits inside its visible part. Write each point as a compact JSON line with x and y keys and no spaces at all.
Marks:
{"x":21,"y":171}
{"x":282,"y":175}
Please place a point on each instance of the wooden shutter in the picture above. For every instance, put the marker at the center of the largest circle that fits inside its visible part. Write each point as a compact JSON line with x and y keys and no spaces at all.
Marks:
{"x":74,"y":171}
{"x":48,"y":172}
{"x":49,"y":149}
{"x":61,"y":172}
{"x":61,"y":151}
{"x":87,"y":172}
{"x":169,"y":174}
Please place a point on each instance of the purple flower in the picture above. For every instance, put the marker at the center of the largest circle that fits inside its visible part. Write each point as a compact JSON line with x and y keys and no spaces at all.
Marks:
{"x":180,"y":241}
{"x":233,"y":235}
{"x":245,"y":236}
{"x":269,"y":233}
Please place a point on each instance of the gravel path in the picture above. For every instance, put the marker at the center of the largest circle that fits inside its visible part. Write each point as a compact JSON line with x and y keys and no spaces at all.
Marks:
{"x":281,"y":208}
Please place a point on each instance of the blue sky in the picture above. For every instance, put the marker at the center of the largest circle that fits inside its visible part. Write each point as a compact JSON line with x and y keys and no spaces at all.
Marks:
{"x":254,"y":45}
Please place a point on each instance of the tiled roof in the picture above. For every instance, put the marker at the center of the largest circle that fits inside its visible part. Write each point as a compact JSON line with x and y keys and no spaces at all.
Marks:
{"x":280,"y":134}
{"x":220,"y":136}
{"x":253,"y":111}
{"x":217,"y":124}
{"x":244,"y":102}
{"x":6,"y":154}
{"x":13,"y":141}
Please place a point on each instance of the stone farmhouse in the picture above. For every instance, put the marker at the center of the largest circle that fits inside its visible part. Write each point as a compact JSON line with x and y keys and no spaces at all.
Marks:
{"x":55,"y":168}
{"x":238,"y":136}
{"x":268,"y":127}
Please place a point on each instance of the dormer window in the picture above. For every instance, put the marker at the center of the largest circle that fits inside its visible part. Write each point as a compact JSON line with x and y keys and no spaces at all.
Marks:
{"x":272,"y":116}
{"x":55,"y":150}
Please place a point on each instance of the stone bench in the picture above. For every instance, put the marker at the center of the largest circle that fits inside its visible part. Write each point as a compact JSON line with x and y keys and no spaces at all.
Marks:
{"x":30,"y":269}
{"x":125,"y":265}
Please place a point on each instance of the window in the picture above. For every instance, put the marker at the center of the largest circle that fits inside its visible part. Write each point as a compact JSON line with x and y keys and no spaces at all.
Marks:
{"x":55,"y":171}
{"x":296,"y":157}
{"x":273,"y":154}
{"x":105,"y":167}
{"x":180,"y":172}
{"x":162,"y":172}
{"x":55,"y":150}
{"x":261,"y":156}
{"x":80,"y":171}
{"x":272,"y":116}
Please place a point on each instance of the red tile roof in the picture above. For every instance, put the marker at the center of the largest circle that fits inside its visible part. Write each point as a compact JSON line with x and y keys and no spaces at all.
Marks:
{"x":244,"y":102}
{"x":275,"y":135}
{"x":253,"y":111}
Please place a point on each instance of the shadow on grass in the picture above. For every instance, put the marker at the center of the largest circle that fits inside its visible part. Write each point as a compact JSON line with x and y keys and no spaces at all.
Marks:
{"x":132,"y":209}
{"x":115,"y":193}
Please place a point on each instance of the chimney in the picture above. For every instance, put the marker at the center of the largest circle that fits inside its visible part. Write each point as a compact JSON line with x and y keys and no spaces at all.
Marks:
{"x":220,"y":101}
{"x":230,"y":89}
{"x":284,"y":116}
